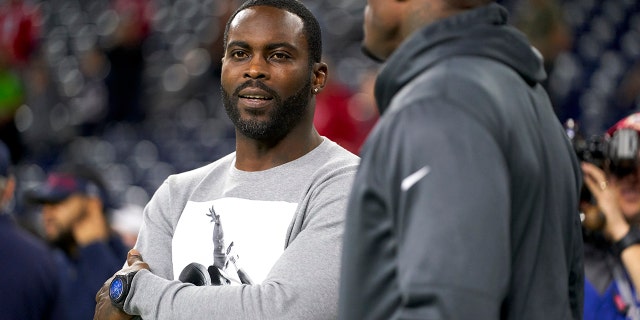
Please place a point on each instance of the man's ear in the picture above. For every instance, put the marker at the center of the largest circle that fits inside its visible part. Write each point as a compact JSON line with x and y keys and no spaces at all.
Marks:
{"x":320,"y":72}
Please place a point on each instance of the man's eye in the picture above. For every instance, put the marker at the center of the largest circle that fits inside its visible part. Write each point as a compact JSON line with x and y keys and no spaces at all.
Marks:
{"x":280,"y":56}
{"x":238,"y":54}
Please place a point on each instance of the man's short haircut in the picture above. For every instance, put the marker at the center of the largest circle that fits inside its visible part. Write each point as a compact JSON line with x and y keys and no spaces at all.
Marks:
{"x":311,"y":26}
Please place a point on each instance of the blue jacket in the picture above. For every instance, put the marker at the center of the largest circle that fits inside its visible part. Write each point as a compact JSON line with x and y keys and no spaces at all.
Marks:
{"x":601,"y":307}
{"x":83,"y":275}
{"x":602,"y":298}
{"x":28,"y":275}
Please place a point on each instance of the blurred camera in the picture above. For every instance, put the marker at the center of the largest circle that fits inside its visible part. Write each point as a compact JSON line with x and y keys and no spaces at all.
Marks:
{"x":617,"y":155}
{"x":592,"y":150}
{"x":622,"y":153}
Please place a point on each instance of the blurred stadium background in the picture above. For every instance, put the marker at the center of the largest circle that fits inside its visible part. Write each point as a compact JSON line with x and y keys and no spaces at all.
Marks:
{"x":132,"y":86}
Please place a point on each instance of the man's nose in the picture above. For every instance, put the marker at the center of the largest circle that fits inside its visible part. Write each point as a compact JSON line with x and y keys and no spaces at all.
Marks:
{"x":257,"y":68}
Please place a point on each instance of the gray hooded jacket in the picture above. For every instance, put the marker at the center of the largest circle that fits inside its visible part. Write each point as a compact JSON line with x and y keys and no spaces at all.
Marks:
{"x":465,"y":205}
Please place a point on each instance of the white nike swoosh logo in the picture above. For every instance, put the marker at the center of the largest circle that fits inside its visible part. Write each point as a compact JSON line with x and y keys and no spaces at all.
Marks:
{"x":413,"y":178}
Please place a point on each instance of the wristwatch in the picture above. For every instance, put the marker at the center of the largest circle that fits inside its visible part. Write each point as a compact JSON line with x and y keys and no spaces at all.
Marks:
{"x":632,"y":237}
{"x":119,"y":288}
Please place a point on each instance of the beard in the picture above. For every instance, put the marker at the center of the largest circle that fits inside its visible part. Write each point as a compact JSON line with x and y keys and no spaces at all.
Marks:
{"x":282,"y":118}
{"x":64,"y":241}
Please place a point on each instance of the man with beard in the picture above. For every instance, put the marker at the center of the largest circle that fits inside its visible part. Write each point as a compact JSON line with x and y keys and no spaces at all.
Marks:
{"x":74,"y":203}
{"x":265,"y":221}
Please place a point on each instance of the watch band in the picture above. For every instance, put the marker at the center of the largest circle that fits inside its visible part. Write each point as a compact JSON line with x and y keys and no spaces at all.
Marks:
{"x":632,"y":237}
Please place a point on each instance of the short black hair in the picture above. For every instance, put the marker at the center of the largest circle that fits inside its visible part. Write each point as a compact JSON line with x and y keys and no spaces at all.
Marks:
{"x":310,"y":26}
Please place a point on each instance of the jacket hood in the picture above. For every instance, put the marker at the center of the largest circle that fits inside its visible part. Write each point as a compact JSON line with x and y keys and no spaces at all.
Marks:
{"x":480,"y":32}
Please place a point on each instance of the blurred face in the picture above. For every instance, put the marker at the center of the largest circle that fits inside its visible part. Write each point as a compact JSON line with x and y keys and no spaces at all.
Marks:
{"x":381,"y":28}
{"x":266,"y":75}
{"x":59,"y":218}
{"x":627,"y":190}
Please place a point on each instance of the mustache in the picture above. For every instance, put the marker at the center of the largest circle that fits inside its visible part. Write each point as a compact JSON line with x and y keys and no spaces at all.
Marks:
{"x":256,"y":84}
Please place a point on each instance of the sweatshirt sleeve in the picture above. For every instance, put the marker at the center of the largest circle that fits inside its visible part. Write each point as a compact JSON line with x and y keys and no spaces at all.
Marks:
{"x":159,"y":219}
{"x":427,"y":234}
{"x":303,"y":284}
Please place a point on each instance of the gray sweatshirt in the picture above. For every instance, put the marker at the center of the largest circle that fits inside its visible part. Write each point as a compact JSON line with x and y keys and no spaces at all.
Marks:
{"x":284,"y":225}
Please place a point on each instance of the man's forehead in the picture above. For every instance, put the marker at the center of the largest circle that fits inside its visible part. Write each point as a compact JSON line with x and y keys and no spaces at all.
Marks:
{"x":267,"y":20}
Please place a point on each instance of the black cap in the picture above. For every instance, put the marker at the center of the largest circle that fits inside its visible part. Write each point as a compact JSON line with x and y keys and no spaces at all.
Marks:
{"x":69,"y":180}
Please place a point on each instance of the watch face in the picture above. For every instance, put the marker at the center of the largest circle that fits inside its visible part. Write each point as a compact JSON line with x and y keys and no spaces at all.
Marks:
{"x":116,"y":289}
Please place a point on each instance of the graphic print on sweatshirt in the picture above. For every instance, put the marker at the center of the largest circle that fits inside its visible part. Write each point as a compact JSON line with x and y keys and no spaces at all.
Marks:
{"x":254,"y":234}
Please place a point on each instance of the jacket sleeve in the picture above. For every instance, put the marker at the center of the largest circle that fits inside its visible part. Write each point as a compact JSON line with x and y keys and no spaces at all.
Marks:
{"x":303,"y":284}
{"x":427,"y":235}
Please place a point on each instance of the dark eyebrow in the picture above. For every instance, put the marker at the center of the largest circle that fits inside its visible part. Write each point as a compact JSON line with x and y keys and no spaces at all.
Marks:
{"x":271,"y":46}
{"x":286,"y":45}
{"x":241,"y":44}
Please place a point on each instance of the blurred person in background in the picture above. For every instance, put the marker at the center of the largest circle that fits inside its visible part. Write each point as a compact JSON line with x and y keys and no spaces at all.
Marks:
{"x":124,"y":82}
{"x":346,"y":116}
{"x":280,"y":197}
{"x":362,"y":105}
{"x":19,"y":35}
{"x":12,"y":96}
{"x":42,"y":143}
{"x":332,"y":118}
{"x":90,"y":106}
{"x":75,"y":204}
{"x":545,"y":26}
{"x":627,"y":96}
{"x":29,"y":275}
{"x":465,"y":204}
{"x":612,"y":227}
{"x":19,"y":30}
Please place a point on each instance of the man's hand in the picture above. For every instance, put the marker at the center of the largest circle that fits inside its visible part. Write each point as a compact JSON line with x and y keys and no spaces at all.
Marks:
{"x":91,"y":225}
{"x":595,"y":179}
{"x":105,"y":310}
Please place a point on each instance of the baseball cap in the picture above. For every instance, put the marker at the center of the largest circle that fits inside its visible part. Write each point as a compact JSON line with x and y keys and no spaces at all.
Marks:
{"x":622,"y":147}
{"x":629,"y":122}
{"x":5,"y":160}
{"x":63,"y":183}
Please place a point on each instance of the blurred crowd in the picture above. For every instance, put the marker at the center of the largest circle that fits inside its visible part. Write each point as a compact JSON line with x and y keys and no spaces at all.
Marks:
{"x":132,"y":86}
{"x":591,"y":50}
